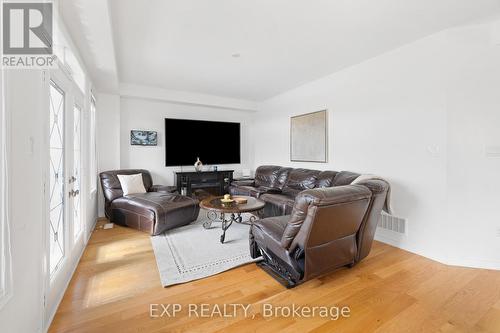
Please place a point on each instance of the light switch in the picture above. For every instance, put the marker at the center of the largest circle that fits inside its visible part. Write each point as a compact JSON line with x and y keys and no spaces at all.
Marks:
{"x":31,"y":145}
{"x":434,"y":150}
{"x":492,"y":151}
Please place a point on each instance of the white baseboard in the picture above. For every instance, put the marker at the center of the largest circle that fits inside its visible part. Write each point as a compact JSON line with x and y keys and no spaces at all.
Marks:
{"x":390,"y":238}
{"x":474,"y":263}
{"x":397,"y":241}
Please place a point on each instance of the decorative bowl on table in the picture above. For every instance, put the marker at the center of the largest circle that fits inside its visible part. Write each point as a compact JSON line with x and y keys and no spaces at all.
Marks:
{"x":240,"y":201}
{"x":226,"y":200}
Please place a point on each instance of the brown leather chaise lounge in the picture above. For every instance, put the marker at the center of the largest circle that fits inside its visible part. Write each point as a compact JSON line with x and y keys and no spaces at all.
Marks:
{"x":154,"y":212}
{"x":317,"y":221}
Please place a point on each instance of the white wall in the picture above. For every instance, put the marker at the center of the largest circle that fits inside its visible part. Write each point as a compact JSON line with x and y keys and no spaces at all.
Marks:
{"x":473,"y":100}
{"x":148,"y":114}
{"x":24,"y":311}
{"x":420,"y":116}
{"x":108,"y":137}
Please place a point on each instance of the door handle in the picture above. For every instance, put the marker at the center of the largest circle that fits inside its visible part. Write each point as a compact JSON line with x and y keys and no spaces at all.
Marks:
{"x":74,"y":193}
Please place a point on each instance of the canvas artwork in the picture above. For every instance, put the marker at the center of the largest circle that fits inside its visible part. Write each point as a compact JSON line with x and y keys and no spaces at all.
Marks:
{"x":143,"y":138}
{"x":308,"y":137}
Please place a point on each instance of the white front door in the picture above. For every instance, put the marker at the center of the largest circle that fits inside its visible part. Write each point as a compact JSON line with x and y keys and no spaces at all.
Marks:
{"x":63,"y":183}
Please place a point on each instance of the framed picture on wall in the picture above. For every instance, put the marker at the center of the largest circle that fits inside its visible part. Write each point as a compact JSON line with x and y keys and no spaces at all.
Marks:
{"x":309,"y":137}
{"x":143,"y":138}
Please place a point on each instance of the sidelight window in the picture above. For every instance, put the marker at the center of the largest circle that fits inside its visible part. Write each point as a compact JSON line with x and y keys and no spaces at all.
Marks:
{"x":56,"y":182}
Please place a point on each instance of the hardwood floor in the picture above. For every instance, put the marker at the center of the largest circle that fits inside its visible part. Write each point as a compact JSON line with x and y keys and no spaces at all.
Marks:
{"x":390,"y":291}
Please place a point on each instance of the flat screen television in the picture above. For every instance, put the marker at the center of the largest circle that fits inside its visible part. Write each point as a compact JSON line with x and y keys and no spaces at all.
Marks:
{"x":213,"y":142}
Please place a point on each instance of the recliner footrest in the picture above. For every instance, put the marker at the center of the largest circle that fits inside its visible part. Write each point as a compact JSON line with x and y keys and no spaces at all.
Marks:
{"x":281,"y":271}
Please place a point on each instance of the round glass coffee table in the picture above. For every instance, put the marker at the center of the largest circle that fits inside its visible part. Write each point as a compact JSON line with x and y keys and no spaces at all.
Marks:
{"x":227,"y":213}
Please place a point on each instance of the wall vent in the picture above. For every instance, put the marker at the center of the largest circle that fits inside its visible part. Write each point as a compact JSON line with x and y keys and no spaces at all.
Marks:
{"x":392,"y":223}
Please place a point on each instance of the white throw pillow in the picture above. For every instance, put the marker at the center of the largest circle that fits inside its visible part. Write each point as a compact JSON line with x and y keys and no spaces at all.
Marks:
{"x":132,"y":184}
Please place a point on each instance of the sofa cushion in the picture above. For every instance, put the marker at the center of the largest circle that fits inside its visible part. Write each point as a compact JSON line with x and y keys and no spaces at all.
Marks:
{"x":252,"y":191}
{"x":266,"y":175}
{"x":272,"y":227}
{"x":345,"y":178}
{"x":278,"y":198}
{"x":277,"y":204}
{"x":282,"y":179}
{"x":166,"y":209}
{"x":325,"y":179}
{"x":301,"y":179}
{"x":245,"y":182}
{"x":266,"y":234}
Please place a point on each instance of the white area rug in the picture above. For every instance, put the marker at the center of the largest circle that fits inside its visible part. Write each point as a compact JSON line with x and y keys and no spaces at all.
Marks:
{"x":192,"y":252}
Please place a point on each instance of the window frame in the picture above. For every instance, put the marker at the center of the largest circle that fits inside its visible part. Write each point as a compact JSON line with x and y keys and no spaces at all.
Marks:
{"x":77,"y":105}
{"x":5,"y":250}
{"x":93,"y":146}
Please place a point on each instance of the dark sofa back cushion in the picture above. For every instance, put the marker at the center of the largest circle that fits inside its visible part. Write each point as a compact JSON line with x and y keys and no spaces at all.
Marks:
{"x":325,"y":179}
{"x":111,"y":185}
{"x":283,"y":175}
{"x":345,"y":178}
{"x":266,"y":175}
{"x":301,"y":179}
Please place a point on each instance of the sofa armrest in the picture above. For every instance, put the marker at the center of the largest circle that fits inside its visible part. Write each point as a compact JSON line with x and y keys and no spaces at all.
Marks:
{"x":334,"y":195}
{"x":246,"y":182}
{"x":163,"y":189}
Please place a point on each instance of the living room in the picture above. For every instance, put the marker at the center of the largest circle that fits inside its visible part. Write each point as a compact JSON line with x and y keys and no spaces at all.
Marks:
{"x":292,"y":166}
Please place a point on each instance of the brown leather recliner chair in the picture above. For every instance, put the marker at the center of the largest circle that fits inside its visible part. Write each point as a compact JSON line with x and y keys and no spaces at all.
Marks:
{"x":154,"y":212}
{"x":328,"y":228}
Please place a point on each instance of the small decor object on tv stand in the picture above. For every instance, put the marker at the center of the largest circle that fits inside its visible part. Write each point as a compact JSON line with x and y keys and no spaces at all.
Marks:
{"x":198,"y":166}
{"x":143,"y":138}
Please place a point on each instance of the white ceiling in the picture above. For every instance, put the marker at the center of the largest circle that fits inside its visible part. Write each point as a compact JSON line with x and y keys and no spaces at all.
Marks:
{"x":188,"y":45}
{"x":88,"y":22}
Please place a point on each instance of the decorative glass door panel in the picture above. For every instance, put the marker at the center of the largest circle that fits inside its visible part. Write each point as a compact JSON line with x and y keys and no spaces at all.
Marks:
{"x":56,"y":181}
{"x":76,"y":177}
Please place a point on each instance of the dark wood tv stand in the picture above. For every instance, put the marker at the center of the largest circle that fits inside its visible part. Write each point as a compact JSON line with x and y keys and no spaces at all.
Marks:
{"x":215,"y":182}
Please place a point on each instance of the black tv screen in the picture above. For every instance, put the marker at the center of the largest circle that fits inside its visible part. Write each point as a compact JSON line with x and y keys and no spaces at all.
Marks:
{"x":213,"y":142}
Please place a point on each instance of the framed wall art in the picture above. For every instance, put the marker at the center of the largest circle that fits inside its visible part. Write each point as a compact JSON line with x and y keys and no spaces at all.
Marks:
{"x":143,"y":138}
{"x":309,"y":137}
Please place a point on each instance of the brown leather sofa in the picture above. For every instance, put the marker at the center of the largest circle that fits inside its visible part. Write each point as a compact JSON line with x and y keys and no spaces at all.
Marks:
{"x":316,"y":220}
{"x":154,"y":212}
{"x":278,"y":186}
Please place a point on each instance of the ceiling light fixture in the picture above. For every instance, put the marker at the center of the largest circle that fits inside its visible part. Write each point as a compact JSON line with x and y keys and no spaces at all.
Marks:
{"x":235,"y":55}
